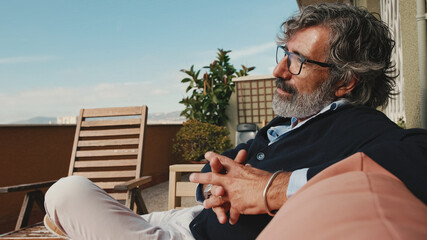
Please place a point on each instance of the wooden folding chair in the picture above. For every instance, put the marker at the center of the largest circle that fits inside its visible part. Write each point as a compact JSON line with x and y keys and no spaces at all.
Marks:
{"x":108,"y":149}
{"x":178,"y":188}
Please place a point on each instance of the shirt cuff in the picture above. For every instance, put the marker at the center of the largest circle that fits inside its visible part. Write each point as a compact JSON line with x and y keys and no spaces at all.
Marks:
{"x":199,"y":193}
{"x":297,"y":180}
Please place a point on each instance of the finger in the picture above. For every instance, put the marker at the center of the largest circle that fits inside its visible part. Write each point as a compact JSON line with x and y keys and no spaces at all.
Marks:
{"x":217,"y":190}
{"x":213,"y":201}
{"x":234,"y":216}
{"x":206,"y":178}
{"x":220,"y":214}
{"x":211,"y":155}
{"x":241,"y":157}
{"x":216,"y":165}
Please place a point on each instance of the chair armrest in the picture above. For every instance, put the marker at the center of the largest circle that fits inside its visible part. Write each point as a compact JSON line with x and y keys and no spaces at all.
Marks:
{"x":132,"y":183}
{"x":26,"y":187}
{"x":186,"y":167}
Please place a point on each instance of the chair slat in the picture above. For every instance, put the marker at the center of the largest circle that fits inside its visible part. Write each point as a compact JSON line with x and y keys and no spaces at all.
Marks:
{"x":113,"y":142}
{"x":105,"y":163}
{"x":102,"y":112}
{"x":119,"y":196}
{"x":121,"y":122}
{"x":108,"y":185}
{"x":103,"y":153}
{"x":104,"y":133}
{"x":106,"y":174}
{"x":185,"y":189}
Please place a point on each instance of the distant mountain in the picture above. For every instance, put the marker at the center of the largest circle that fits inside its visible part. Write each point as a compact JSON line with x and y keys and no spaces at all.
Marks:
{"x":38,"y":120}
{"x":163,"y":118}
{"x":152,"y":118}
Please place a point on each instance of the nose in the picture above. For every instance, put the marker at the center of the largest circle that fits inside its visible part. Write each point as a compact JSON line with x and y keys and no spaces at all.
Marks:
{"x":281,"y":70}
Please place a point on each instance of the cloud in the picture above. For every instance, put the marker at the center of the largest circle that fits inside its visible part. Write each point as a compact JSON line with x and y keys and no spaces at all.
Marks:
{"x":159,"y":92}
{"x":62,"y":101}
{"x":247,"y":56}
{"x":26,"y":59}
{"x":252,"y":50}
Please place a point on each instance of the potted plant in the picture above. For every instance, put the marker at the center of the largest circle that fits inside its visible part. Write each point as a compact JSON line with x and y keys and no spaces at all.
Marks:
{"x":211,"y":93}
{"x":205,"y":109}
{"x":195,"y":138}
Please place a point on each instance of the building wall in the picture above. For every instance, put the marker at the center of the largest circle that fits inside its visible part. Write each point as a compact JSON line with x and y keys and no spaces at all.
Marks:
{"x":372,"y":5}
{"x":410,"y":62}
{"x":232,"y":117}
{"x":30,"y":154}
{"x":36,"y":153}
{"x":410,"y":67}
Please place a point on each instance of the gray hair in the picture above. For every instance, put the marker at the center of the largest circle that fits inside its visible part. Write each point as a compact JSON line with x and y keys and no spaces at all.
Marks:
{"x":360,"y":47}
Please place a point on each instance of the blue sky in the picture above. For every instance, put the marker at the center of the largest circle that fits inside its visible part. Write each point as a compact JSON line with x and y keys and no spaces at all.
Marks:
{"x":59,"y":56}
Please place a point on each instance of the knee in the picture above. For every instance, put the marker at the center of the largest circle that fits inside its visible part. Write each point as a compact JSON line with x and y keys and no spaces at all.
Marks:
{"x":66,"y":190}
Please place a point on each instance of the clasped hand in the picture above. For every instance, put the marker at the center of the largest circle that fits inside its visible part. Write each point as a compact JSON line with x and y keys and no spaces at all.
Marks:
{"x":237,"y":188}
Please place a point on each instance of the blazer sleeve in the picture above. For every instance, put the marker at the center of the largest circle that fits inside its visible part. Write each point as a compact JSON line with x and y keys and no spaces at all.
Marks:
{"x":404,"y":155}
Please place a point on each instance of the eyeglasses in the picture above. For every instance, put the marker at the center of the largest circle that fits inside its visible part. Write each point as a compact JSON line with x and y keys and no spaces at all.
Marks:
{"x":295,"y":61}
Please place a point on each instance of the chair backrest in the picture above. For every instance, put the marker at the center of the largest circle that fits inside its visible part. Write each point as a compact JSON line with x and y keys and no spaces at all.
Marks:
{"x":109,"y":145}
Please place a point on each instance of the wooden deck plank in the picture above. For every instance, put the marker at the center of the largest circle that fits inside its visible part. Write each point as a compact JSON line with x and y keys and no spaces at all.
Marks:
{"x":37,"y":231}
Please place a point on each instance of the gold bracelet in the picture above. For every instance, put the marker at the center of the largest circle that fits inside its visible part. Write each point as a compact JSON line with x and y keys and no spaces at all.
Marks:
{"x":264,"y":194}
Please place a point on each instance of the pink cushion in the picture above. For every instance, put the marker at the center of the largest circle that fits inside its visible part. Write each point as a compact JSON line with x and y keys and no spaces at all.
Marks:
{"x":352,"y":199}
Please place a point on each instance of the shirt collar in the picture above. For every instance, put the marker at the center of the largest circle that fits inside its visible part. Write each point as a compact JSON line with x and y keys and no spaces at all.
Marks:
{"x":274,"y":133}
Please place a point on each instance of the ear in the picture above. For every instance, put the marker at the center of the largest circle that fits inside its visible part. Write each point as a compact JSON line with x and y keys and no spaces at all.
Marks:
{"x":343,"y":89}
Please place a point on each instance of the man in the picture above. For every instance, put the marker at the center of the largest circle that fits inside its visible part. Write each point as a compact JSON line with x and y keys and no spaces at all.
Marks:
{"x":333,"y":70}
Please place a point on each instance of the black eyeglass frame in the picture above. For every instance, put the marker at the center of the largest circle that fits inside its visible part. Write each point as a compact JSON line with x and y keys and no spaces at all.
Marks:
{"x":302,"y":59}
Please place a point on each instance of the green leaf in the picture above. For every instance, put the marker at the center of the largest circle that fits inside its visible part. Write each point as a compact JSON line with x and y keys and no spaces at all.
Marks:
{"x":210,"y":107}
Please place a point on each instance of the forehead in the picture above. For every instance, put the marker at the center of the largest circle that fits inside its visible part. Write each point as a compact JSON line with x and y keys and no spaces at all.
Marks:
{"x":310,"y":42}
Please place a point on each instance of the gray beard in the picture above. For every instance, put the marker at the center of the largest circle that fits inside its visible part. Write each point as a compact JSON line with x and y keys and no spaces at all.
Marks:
{"x":302,"y":105}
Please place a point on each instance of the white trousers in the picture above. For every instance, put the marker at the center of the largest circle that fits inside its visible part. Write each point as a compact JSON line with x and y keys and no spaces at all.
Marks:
{"x":83,"y":211}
